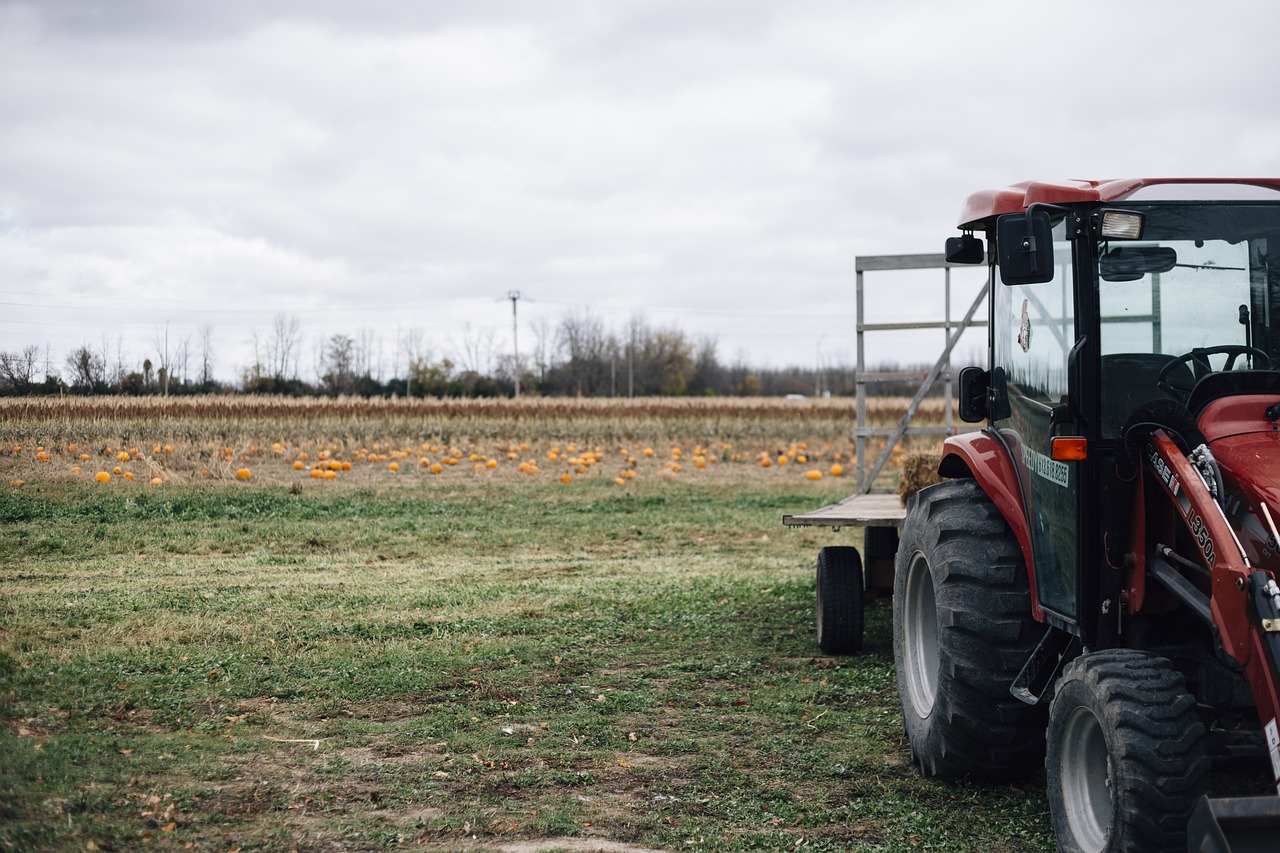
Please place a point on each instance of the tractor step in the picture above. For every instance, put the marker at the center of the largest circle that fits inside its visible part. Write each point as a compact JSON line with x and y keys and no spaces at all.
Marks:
{"x":1042,"y":668}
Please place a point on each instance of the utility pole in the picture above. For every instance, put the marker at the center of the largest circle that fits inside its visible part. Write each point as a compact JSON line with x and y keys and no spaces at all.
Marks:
{"x":817,"y":372}
{"x":514,"y":296}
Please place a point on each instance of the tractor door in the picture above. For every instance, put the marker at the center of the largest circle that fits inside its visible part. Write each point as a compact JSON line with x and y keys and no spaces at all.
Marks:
{"x":1033,"y":331}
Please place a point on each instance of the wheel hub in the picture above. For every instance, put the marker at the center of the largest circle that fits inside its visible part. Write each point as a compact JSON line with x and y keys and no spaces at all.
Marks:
{"x":1086,"y":780}
{"x":920,"y":637}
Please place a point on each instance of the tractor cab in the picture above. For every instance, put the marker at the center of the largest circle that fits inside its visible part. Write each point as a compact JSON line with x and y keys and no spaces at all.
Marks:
{"x":1117,"y":306}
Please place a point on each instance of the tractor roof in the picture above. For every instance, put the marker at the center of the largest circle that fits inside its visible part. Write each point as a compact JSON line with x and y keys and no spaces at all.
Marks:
{"x":989,"y":203}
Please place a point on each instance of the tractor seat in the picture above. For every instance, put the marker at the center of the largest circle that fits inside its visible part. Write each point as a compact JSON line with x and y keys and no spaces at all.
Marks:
{"x":1128,"y":381}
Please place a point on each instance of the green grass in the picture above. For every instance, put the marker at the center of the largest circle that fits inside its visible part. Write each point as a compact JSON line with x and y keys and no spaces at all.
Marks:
{"x":459,"y":668}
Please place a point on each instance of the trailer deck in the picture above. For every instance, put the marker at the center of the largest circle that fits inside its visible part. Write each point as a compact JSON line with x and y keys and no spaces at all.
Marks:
{"x":870,"y":510}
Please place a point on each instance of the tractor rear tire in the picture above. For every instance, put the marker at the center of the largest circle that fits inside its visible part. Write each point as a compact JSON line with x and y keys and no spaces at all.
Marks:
{"x":962,"y":630}
{"x":839,"y":588}
{"x":1126,"y":758}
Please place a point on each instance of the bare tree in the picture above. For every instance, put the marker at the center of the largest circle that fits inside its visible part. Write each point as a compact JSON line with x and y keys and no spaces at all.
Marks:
{"x":368,"y":353}
{"x":318,"y":346}
{"x":708,"y":375}
{"x":286,"y":337}
{"x":582,"y":340}
{"x":413,"y":349}
{"x":181,"y":358}
{"x":339,"y":370}
{"x":254,"y":374}
{"x":543,"y":342}
{"x":637,"y":331}
{"x":165,"y":370}
{"x":206,"y":355}
{"x":475,"y":352}
{"x":112,"y":372}
{"x":18,"y":369}
{"x":88,"y":370}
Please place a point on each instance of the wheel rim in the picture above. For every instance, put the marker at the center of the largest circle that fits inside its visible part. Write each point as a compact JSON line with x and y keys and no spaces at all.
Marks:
{"x":920,"y":636}
{"x":1086,"y":780}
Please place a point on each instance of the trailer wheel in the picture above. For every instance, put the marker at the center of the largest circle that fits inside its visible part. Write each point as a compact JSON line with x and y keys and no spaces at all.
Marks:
{"x":1126,"y":757}
{"x":962,"y":630}
{"x":879,"y":546}
{"x":839,"y":613}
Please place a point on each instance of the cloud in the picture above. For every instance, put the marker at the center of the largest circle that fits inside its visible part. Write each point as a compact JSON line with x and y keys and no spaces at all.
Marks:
{"x":715,"y":164}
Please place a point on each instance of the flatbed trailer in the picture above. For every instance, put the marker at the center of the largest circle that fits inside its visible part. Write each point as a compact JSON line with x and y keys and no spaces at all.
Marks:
{"x":849,"y":578}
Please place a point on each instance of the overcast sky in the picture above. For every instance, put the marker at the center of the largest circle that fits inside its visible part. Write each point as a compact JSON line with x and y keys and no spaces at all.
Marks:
{"x":396,"y":165}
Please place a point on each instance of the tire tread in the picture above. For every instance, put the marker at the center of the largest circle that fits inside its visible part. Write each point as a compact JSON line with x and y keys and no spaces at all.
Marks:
{"x":1160,"y":740}
{"x":986,"y":634}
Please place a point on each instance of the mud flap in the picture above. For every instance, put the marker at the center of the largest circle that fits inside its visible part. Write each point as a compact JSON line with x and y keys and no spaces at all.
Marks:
{"x":1235,"y":825}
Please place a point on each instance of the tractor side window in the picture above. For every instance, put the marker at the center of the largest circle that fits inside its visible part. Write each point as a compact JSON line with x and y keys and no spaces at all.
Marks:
{"x":1036,"y":324}
{"x":1041,"y":318}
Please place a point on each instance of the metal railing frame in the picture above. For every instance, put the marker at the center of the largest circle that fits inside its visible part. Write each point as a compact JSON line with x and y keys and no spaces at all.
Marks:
{"x":868,"y":471}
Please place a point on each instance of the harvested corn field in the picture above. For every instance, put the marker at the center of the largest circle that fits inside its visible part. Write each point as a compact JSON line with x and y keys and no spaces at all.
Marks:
{"x":281,"y":440}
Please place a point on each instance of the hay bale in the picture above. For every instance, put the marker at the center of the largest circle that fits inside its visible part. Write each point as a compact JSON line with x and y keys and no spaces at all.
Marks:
{"x":918,"y":471}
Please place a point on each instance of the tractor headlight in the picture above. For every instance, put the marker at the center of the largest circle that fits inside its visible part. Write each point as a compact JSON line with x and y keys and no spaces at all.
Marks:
{"x":1120,"y":224}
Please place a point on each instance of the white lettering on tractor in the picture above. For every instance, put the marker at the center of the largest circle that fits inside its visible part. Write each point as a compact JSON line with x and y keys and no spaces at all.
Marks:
{"x":1201,"y":532}
{"x":1052,"y":470}
{"x":1163,"y":471}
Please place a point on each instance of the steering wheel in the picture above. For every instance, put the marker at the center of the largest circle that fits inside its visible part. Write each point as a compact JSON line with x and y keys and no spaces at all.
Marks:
{"x":1198,"y":363}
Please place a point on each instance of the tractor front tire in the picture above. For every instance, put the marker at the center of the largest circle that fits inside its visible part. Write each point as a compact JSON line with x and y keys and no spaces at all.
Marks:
{"x":1126,"y":759}
{"x":962,"y":630}
{"x":839,"y":593}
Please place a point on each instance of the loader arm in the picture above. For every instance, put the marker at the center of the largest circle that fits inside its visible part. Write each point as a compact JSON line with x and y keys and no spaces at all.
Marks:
{"x":1243,"y":604}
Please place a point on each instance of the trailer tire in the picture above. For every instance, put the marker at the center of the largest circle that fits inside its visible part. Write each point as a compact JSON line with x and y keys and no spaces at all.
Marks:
{"x":879,"y":546}
{"x":879,"y":542}
{"x":962,"y":630}
{"x":839,"y":594}
{"x":1126,"y":760}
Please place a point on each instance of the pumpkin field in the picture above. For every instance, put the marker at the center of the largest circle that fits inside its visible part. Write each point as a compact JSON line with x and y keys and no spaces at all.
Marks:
{"x":260,"y":624}
{"x":191,"y":440}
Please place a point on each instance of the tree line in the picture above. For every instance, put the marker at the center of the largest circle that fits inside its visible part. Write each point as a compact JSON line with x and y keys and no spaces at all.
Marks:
{"x":578,"y":356}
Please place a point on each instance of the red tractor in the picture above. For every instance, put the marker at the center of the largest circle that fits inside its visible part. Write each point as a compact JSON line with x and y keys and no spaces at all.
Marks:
{"x":1094,"y":586}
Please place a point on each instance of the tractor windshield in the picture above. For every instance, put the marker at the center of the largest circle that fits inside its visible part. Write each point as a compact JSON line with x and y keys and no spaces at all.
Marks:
{"x":1198,"y":295}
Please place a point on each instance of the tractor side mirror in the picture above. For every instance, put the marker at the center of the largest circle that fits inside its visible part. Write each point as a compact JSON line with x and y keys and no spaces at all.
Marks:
{"x":974,"y":382}
{"x":965,"y":249}
{"x":1024,"y":246}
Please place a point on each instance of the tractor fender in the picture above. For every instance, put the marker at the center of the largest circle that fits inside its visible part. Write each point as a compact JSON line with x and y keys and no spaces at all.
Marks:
{"x":986,"y":460}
